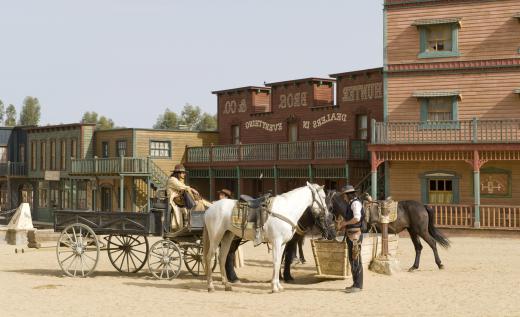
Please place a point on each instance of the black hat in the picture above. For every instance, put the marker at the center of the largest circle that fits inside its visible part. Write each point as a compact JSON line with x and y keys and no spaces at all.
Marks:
{"x":348,"y":189}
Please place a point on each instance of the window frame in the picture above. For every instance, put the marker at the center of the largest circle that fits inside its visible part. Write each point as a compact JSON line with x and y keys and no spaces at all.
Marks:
{"x":425,"y":124}
{"x":121,"y":141}
{"x":358,"y":129}
{"x":426,"y":177}
{"x":105,"y":145}
{"x":233,"y":140}
{"x":423,"y":41}
{"x":170,"y":152}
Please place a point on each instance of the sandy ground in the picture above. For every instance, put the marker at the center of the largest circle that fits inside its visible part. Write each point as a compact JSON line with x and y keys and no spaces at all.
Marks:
{"x":482,"y":278}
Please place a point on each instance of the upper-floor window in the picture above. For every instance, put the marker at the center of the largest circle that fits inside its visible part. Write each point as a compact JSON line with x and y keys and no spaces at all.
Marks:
{"x":21,"y":153}
{"x":438,"y":37}
{"x":33,"y":155}
{"x":73,"y":148}
{"x":439,"y":109}
{"x":362,"y":126}
{"x":63,"y":155}
{"x":104,"y":149}
{"x":121,"y":148}
{"x":53,"y":155}
{"x":235,"y":134}
{"x":160,"y":149}
{"x":3,"y":154}
{"x":43,"y":156}
{"x":293,"y":131}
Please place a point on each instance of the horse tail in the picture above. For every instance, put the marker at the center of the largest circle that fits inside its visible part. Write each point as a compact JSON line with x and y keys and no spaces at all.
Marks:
{"x":433,"y":231}
{"x":205,"y":248}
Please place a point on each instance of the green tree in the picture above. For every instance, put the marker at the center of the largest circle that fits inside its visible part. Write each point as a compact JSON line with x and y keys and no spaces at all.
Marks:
{"x":30,"y":114}
{"x":102,"y":122}
{"x":207,"y":122}
{"x":167,"y":120}
{"x":10,"y":116}
{"x":2,"y":112}
{"x":90,"y":117}
{"x":190,"y":116}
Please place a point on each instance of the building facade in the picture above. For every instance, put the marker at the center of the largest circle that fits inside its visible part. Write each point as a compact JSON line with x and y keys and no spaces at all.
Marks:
{"x":276,"y":137}
{"x":451,"y":130}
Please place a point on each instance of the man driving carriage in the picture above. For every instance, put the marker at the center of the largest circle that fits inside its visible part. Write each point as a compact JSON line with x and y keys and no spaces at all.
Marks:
{"x":182,"y":197}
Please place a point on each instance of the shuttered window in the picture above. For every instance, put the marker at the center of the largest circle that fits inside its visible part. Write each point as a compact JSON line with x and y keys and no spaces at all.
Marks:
{"x":160,"y":149}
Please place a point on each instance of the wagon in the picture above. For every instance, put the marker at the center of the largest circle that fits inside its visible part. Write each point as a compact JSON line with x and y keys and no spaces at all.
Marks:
{"x":124,"y":235}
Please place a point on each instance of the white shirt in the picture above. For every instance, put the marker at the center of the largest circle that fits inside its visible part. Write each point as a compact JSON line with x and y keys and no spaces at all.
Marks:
{"x":356,"y":209}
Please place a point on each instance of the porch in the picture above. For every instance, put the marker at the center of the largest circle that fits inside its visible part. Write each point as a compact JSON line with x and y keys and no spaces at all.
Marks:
{"x":490,"y":217}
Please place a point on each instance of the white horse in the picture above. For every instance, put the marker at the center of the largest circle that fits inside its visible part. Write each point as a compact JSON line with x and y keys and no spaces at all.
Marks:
{"x":279,"y":228}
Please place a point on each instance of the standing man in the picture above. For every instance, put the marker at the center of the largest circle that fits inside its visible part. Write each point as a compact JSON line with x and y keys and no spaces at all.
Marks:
{"x":353,"y":215}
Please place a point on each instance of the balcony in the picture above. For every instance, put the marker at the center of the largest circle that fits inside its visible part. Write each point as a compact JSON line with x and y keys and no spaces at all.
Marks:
{"x":447,"y":132}
{"x":293,"y":151}
{"x":13,"y":169}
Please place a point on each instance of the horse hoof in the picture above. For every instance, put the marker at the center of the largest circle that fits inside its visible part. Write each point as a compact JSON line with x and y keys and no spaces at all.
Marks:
{"x":211,"y":289}
{"x":228,"y":288}
{"x":413,"y":268}
{"x":441,"y":267}
{"x":274,"y":291}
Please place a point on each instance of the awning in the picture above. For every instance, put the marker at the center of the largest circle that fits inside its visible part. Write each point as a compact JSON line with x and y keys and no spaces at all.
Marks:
{"x":517,"y":91}
{"x":517,"y":16}
{"x":436,"y":21}
{"x":432,"y":94}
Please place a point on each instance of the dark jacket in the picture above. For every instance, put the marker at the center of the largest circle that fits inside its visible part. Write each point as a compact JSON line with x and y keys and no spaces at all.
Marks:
{"x":349,"y":214}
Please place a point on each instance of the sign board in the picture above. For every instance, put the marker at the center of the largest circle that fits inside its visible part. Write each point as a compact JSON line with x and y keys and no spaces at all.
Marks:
{"x":52,"y":175}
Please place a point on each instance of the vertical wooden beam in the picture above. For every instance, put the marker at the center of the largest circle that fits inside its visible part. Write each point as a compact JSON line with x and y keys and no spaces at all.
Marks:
{"x":476,"y":187}
{"x":311,"y":176}
{"x":148,"y":195}
{"x":121,"y":192}
{"x":275,"y":176}
{"x":239,"y":180}
{"x":211,"y":184}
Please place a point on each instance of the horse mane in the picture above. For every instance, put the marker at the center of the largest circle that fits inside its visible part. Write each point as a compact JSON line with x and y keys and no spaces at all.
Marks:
{"x":292,"y":192}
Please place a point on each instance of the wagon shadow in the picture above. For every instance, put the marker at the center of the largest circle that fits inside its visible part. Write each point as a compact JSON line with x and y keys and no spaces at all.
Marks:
{"x":59,"y":273}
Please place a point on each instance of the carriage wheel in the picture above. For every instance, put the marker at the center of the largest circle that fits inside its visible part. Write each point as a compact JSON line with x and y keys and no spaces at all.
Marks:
{"x":127,"y":253}
{"x":78,"y":250}
{"x":193,"y":260}
{"x":165,"y":260}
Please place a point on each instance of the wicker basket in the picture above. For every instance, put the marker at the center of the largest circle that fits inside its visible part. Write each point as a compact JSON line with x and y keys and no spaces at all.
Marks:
{"x":331,"y":258}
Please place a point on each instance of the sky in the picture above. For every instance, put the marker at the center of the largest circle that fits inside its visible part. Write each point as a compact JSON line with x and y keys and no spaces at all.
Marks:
{"x":129,"y":60}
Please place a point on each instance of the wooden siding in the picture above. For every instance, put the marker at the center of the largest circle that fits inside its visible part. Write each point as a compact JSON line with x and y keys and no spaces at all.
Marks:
{"x":261,"y":101}
{"x":483,"y":95}
{"x":488,"y":30}
{"x":88,"y":142}
{"x":178,"y":142}
{"x":112,"y":136}
{"x":405,"y":182}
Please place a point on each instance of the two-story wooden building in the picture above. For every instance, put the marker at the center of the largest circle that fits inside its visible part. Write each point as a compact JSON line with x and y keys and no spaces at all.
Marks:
{"x":278,"y":136}
{"x":451,"y":130}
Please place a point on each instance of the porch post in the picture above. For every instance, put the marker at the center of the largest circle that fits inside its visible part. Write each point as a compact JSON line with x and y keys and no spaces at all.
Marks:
{"x":148,"y":190}
{"x":311,"y":176}
{"x":347,"y":173}
{"x":275,"y":176}
{"x":373,"y":172}
{"x":211,"y":184}
{"x":476,"y":187}
{"x":239,"y":180}
{"x":121,"y":192}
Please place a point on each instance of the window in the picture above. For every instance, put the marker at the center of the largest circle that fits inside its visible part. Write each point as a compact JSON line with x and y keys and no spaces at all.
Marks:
{"x":43,"y":156}
{"x":43,"y":201}
{"x":82,"y":195}
{"x":63,"y":155}
{"x":21,"y":153}
{"x":33,"y":155}
{"x":121,"y":148}
{"x":160,"y":149}
{"x":441,"y":191}
{"x":3,"y":154}
{"x":54,"y":194}
{"x":439,"y":112}
{"x":438,"y":38}
{"x":53,"y":155}
{"x":73,"y":148}
{"x":64,"y":193}
{"x":235,"y":134}
{"x":104,"y":149}
{"x":293,"y":131}
{"x":362,"y":126}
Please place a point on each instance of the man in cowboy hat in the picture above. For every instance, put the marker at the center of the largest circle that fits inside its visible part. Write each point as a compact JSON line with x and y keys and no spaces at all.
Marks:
{"x":353,"y":215}
{"x":224,"y":194}
{"x":181,"y":196}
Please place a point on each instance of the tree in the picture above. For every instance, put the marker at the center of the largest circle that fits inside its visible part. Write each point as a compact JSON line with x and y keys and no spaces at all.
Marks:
{"x":207,"y":122}
{"x":30,"y":114}
{"x":10,"y":116}
{"x":2,"y":111}
{"x":102,"y":123}
{"x":167,"y":120}
{"x":190,"y":116}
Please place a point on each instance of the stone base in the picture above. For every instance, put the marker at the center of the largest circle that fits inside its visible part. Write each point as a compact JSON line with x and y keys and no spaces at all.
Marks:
{"x":16,"y":237}
{"x":385,"y":265}
{"x":32,"y":239}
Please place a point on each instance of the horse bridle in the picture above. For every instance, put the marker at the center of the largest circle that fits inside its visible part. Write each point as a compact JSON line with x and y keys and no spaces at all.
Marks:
{"x":320,"y":205}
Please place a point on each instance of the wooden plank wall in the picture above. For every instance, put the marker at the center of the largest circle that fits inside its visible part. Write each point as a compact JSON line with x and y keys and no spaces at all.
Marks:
{"x":488,"y":30}
{"x":112,"y":136}
{"x":488,"y":95}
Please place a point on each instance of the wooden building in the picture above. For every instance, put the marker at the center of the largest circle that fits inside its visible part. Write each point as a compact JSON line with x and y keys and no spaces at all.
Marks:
{"x":13,"y":169}
{"x":279,"y":136}
{"x":451,"y":130}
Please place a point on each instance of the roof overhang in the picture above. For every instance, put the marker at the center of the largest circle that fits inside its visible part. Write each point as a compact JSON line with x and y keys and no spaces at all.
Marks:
{"x":434,"y":94}
{"x":427,"y":22}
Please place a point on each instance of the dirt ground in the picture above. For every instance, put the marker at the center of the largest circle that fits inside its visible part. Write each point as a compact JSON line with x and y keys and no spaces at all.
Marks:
{"x":482,"y":278}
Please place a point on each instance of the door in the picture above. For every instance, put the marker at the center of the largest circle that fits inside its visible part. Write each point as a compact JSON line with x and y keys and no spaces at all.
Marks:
{"x":106,"y":199}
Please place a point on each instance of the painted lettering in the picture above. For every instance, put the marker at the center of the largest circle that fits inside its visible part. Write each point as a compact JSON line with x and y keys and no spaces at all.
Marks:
{"x":362,"y":92}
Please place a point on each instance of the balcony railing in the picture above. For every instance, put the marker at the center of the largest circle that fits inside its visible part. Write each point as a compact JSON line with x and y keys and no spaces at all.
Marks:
{"x":303,"y":150}
{"x":491,"y":216}
{"x":13,"y":169}
{"x":446,"y":132}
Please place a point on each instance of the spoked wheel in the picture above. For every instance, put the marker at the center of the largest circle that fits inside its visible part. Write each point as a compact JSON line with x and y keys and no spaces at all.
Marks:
{"x":78,"y":250}
{"x":127,"y":253}
{"x":193,"y":259}
{"x":165,"y":260}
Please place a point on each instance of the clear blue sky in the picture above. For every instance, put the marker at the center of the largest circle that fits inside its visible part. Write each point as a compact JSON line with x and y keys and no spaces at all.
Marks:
{"x":131,"y":59}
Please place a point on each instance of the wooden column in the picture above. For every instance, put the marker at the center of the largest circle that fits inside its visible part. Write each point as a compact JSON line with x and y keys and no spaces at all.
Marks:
{"x":275,"y":176}
{"x":239,"y":181}
{"x":148,"y":190}
{"x":476,"y":187}
{"x":311,"y":176}
{"x":121,"y":192}
{"x":211,"y":184}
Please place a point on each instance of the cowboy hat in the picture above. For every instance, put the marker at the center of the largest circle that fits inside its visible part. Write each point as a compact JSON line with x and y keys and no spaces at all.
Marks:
{"x":226,"y":192}
{"x":348,"y":189}
{"x":179,"y":168}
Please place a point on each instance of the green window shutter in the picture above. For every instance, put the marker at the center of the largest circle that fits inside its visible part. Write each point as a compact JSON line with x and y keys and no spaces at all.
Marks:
{"x":424,"y":190}
{"x":422,"y":39}
{"x":455,"y":189}
{"x":424,"y":109}
{"x":454,"y":108}
{"x":454,"y":37}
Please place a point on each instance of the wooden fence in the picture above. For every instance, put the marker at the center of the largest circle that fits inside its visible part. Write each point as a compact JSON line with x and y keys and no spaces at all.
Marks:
{"x":491,"y":217}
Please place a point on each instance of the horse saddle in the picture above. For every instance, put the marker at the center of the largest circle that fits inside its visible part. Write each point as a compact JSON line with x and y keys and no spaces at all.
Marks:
{"x":387,"y":207}
{"x":252,"y":202}
{"x":250,"y":213}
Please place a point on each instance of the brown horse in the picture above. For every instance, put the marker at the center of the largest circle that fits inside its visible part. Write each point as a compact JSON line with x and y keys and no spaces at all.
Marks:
{"x":417,"y":218}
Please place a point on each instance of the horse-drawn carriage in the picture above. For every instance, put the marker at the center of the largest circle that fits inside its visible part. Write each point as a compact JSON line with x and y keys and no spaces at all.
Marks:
{"x":125,"y":236}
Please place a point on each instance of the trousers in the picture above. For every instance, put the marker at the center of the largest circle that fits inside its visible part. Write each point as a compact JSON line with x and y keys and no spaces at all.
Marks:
{"x":356,"y":267}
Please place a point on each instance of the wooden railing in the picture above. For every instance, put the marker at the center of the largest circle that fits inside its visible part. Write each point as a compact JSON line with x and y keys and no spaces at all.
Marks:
{"x":446,"y":132}
{"x":13,"y":169}
{"x":503,"y":217}
{"x":453,"y":216}
{"x":303,"y":150}
{"x":120,"y":165}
